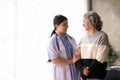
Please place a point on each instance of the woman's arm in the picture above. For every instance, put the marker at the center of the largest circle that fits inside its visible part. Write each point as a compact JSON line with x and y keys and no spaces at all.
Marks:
{"x":76,"y":57}
{"x":66,"y":61}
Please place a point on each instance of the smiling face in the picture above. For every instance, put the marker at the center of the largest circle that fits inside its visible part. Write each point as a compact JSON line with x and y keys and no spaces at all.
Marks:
{"x":92,"y":21}
{"x":62,"y":28}
{"x":86,"y":24}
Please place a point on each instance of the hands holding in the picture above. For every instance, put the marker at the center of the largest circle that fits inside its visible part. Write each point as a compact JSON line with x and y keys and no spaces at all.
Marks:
{"x":78,"y":51}
{"x":76,"y":56}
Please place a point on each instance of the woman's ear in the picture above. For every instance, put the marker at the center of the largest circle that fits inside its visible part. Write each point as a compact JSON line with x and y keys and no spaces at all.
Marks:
{"x":56,"y":25}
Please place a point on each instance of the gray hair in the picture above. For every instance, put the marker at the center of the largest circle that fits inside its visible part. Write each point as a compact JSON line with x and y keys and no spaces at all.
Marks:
{"x":94,"y":20}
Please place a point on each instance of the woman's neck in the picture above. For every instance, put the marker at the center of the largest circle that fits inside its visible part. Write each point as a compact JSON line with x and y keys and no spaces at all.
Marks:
{"x":93,"y":31}
{"x":60,"y":34}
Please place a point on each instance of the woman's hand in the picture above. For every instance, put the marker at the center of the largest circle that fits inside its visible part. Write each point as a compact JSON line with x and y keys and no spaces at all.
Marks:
{"x":77,"y":55}
{"x":86,"y":71}
{"x":78,"y":51}
{"x":75,"y":58}
{"x":81,"y":78}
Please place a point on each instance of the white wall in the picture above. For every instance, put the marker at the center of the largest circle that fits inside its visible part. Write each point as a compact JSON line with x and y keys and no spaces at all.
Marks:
{"x":110,"y":14}
{"x":25,"y":26}
{"x":7,"y":40}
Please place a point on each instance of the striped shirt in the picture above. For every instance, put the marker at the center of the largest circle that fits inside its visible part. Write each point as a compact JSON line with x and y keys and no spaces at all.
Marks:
{"x":94,"y":49}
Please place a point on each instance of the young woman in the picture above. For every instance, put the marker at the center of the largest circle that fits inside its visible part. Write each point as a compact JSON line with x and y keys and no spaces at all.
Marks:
{"x":94,"y":48}
{"x":62,"y":51}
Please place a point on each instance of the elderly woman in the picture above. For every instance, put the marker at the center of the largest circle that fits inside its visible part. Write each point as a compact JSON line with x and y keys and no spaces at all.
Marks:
{"x":94,"y":48}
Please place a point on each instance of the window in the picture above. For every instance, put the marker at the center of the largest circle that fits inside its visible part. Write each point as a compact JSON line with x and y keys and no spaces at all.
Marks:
{"x":24,"y":31}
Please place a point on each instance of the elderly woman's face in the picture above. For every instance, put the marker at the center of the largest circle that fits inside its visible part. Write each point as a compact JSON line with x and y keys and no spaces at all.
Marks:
{"x":86,"y":24}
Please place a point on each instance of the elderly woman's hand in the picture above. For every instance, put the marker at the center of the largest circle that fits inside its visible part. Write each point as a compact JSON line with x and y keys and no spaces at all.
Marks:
{"x":86,"y":71}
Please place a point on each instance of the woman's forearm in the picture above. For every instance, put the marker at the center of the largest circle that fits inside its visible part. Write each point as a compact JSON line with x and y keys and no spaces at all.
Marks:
{"x":62,"y":61}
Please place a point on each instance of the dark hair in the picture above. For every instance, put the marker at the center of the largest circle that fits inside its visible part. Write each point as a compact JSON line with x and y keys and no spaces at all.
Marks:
{"x":58,"y":19}
{"x":94,"y":20}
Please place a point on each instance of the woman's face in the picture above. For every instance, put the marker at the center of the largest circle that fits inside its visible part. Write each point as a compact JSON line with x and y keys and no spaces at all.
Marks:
{"x":62,"y":28}
{"x":86,"y":24}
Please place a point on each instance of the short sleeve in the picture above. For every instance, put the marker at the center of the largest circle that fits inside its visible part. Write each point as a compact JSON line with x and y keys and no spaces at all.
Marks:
{"x":51,"y":50}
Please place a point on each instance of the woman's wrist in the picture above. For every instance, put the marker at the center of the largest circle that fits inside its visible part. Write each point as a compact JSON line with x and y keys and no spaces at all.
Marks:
{"x":73,"y":61}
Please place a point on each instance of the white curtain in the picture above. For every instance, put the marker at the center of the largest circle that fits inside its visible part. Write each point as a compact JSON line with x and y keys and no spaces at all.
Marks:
{"x":25,"y":26}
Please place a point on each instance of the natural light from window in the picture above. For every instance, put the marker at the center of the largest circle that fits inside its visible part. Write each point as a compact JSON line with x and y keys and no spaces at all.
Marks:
{"x":24,"y":31}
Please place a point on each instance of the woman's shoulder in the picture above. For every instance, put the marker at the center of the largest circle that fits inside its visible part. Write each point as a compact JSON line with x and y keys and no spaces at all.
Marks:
{"x":69,"y":36}
{"x":103,"y":34}
{"x":104,"y":38}
{"x":51,"y":39}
